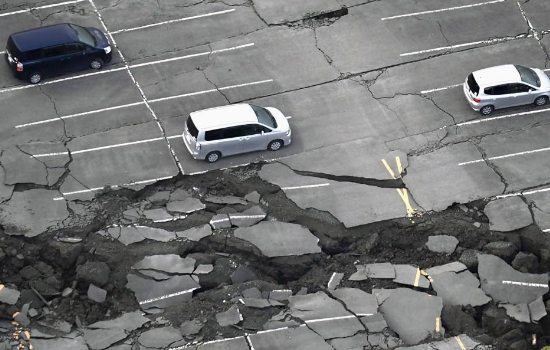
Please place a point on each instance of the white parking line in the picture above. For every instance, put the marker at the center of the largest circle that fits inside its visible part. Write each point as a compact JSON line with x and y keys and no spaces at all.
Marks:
{"x":305,"y":186}
{"x":506,"y":156}
{"x":113,"y":186}
{"x":440,"y":89}
{"x":172,"y":21}
{"x":442,"y":10}
{"x":450,"y":47}
{"x":526,"y":284}
{"x":2,"y":52}
{"x":205,"y":53}
{"x":526,"y":193}
{"x":476,"y":121}
{"x":547,"y":230}
{"x":168,"y":296}
{"x":40,"y":8}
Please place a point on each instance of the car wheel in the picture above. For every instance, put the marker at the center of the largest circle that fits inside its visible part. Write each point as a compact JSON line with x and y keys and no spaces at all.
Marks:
{"x":486,"y":110}
{"x":35,"y":78}
{"x":96,"y":63}
{"x":213,"y":157}
{"x":275,"y":145}
{"x":541,"y":101}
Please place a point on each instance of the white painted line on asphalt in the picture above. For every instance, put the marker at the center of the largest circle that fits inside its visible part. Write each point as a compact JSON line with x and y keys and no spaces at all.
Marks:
{"x":440,"y":89}
{"x":442,"y":10}
{"x":476,"y":121}
{"x":305,"y":186}
{"x":175,"y":218}
{"x":506,"y":156}
{"x":172,"y":21}
{"x":547,"y":230}
{"x":113,"y":186}
{"x":168,"y":296}
{"x":526,"y":284}
{"x":40,"y":8}
{"x":451,"y":47}
{"x":526,"y":193}
{"x":331,"y":319}
{"x":2,"y":52}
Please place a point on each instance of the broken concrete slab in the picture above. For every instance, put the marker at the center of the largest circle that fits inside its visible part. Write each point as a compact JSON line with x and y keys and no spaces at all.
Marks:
{"x":442,"y":244}
{"x":8,"y":295}
{"x":171,"y":263}
{"x":253,"y":197}
{"x":191,"y":327}
{"x":129,"y":321}
{"x":504,"y":284}
{"x":195,"y":234}
{"x":459,"y":289}
{"x":382,"y":294}
{"x":410,"y":275}
{"x":375,"y":323}
{"x":458,"y":342}
{"x":157,"y":276}
{"x":413,"y":315}
{"x":96,"y":294}
{"x":203,"y":269}
{"x":161,"y":294}
{"x":186,"y":206}
{"x":289,"y":11}
{"x":335,"y":280}
{"x":220,"y":221}
{"x":30,"y":213}
{"x":160,"y":338}
{"x":99,"y":339}
{"x":77,"y":343}
{"x":537,"y":309}
{"x":125,"y":235}
{"x":378,"y":270}
{"x":357,"y":301}
{"x":158,"y":215}
{"x":274,"y":239}
{"x":243,"y":274}
{"x":156,"y":234}
{"x":301,"y":338}
{"x":226,"y":200}
{"x":519,"y":312}
{"x":259,"y":303}
{"x":508,"y":214}
{"x":280,"y":295}
{"x":248,"y":217}
{"x":455,"y":266}
{"x":230,"y":317}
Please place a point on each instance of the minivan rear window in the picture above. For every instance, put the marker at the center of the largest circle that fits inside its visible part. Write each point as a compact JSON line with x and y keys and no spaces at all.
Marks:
{"x":12,"y":49}
{"x":192,"y":128}
{"x":472,"y":84}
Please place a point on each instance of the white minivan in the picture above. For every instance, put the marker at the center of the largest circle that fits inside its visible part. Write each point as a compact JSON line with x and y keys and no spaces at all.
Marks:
{"x":223,"y":131}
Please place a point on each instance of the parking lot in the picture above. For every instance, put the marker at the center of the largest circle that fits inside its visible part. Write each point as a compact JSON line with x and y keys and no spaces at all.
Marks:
{"x":372,"y":91}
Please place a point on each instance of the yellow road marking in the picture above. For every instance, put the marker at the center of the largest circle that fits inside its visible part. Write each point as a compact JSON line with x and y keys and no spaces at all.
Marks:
{"x":388,"y":168}
{"x":417,"y":278}
{"x":1,"y":287}
{"x":424,"y":273}
{"x":16,"y":314}
{"x":437,"y":324}
{"x":28,"y":334}
{"x":462,"y":347}
{"x":403,"y":192}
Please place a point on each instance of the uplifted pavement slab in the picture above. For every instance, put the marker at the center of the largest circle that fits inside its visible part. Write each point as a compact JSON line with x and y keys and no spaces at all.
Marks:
{"x":357,"y":301}
{"x":378,"y":270}
{"x":155,"y":234}
{"x":442,"y":244}
{"x":248,"y":217}
{"x":519,"y":312}
{"x":238,"y":343}
{"x":289,"y":11}
{"x":301,"y":338}
{"x":375,"y":323}
{"x":275,"y":239}
{"x":220,"y":221}
{"x":129,"y":321}
{"x":366,"y":341}
{"x":158,"y":215}
{"x":351,"y":203}
{"x":455,"y":266}
{"x":186,"y":206}
{"x":226,"y":200}
{"x":5,"y":190}
{"x":8,"y":295}
{"x":160,"y":338}
{"x":413,"y":315}
{"x":410,"y":275}
{"x":98,"y":339}
{"x":459,"y":342}
{"x":508,"y":214}
{"x":171,"y":263}
{"x":230,"y":317}
{"x":459,"y":289}
{"x":537,"y":309}
{"x":195,"y":234}
{"x":504,"y":284}
{"x":150,"y":293}
{"x":77,"y":343}
{"x":133,"y":234}
{"x":30,"y":213}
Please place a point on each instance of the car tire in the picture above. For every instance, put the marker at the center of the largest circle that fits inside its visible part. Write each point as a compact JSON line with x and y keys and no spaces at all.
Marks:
{"x":275,"y":145}
{"x":96,"y":63}
{"x":213,"y":157}
{"x":486,"y":110}
{"x":541,"y":100}
{"x":35,"y":78}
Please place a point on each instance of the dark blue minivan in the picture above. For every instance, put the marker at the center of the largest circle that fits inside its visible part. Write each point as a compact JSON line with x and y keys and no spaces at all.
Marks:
{"x":53,"y":50}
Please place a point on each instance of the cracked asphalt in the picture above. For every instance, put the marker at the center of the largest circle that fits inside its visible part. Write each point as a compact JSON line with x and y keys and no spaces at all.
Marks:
{"x":397,"y":218}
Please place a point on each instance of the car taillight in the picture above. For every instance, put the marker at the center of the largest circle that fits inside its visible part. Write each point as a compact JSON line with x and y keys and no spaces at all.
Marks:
{"x":19,"y":66}
{"x":477,"y":99}
{"x":198,"y":146}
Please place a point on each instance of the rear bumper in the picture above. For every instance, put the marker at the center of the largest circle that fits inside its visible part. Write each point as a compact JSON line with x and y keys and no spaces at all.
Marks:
{"x":13,"y":68}
{"x":194,"y":154}
{"x":475,"y":106}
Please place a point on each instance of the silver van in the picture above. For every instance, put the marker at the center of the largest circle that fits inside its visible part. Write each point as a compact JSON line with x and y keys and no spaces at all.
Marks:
{"x":223,"y":131}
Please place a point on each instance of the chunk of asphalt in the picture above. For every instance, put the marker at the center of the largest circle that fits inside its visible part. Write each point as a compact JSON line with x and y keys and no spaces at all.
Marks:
{"x":96,"y":294}
{"x":99,"y":339}
{"x":157,"y":276}
{"x":179,"y":194}
{"x":455,"y":266}
{"x":280,"y":294}
{"x":160,"y":338}
{"x":357,"y":301}
{"x":220,"y":221}
{"x":537,"y":309}
{"x":259,"y":303}
{"x":503,"y":249}
{"x":186,"y":206}
{"x":253,"y":197}
{"x":132,"y":214}
{"x":170,"y":263}
{"x":248,"y":217}
{"x":365,"y":341}
{"x":95,"y":272}
{"x":459,"y":289}
{"x":469,"y":258}
{"x":519,"y":312}
{"x":226,"y":200}
{"x":195,"y":234}
{"x":442,"y":244}
{"x":56,"y":325}
{"x":375,"y":323}
{"x":252,"y":293}
{"x":156,"y":234}
{"x":77,"y":343}
{"x":159,"y":197}
{"x":204,"y":269}
{"x":382,"y":294}
{"x":8,"y":295}
{"x":243,"y":274}
{"x":508,"y":214}
{"x":378,"y":270}
{"x":301,"y":338}
{"x":504,"y":284}
{"x":157,"y":215}
{"x":335,"y":280}
{"x":458,"y":342}
{"x":126,"y":235}
{"x":129,"y":321}
{"x":22,"y":316}
{"x":410,"y":275}
{"x":230,"y":317}
{"x":173,"y":291}
{"x":192,"y":327}
{"x":275,"y":238}
{"x":413,"y":315}
{"x":29,"y":273}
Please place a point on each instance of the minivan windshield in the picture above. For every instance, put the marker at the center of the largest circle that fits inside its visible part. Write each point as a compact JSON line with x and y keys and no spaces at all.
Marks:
{"x":264,"y":116}
{"x":84,"y":35}
{"x":472,"y":84}
{"x":528,"y":75}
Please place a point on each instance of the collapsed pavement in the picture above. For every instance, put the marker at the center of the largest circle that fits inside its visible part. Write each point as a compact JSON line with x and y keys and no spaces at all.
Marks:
{"x":227,"y":261}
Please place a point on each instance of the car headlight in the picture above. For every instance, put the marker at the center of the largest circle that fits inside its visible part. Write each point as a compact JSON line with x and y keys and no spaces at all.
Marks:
{"x":107,"y":49}
{"x":288,"y":132}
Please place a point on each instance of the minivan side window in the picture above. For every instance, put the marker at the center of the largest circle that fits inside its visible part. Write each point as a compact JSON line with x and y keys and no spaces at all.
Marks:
{"x":73,"y":48}
{"x":53,"y":51}
{"x":498,"y":90}
{"x":518,"y":88}
{"x":252,"y":129}
{"x":33,"y":55}
{"x":226,"y":133}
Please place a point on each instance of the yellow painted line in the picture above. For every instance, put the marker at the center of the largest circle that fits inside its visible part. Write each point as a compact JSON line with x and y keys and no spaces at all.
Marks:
{"x":28,"y":334}
{"x":437,"y":324}
{"x":424,"y":273}
{"x":417,"y":278}
{"x":1,"y":287}
{"x":399,"y":167}
{"x":16,"y":314}
{"x":388,"y":168}
{"x":462,"y":347}
{"x":403,"y":192}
